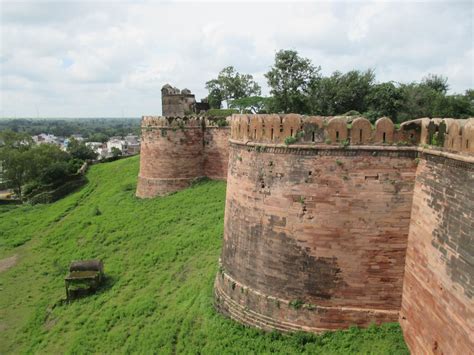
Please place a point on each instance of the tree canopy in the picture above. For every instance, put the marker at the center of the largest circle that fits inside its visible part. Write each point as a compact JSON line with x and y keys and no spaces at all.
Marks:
{"x":230,"y":85}
{"x":290,"y":80}
{"x":297,"y":86}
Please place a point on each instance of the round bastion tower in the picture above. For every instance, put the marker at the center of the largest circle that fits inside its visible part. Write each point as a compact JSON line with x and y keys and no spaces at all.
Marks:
{"x":315,"y":229}
{"x":171,"y":154}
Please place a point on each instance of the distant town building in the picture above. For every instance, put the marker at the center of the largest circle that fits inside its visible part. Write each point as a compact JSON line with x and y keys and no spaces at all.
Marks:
{"x":45,"y":138}
{"x":100,"y":148}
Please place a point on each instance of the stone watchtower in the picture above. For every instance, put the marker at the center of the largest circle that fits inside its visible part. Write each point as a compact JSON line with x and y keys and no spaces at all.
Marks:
{"x":176,"y":103}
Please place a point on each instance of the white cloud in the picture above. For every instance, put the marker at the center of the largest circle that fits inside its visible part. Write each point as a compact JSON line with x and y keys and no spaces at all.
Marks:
{"x":101,"y":59}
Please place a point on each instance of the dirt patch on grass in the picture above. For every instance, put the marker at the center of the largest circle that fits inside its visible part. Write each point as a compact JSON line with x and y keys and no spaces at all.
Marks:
{"x":7,"y":263}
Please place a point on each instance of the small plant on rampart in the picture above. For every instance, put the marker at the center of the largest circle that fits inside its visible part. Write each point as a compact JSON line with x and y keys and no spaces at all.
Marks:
{"x":293,"y":139}
{"x":344,"y":143}
{"x":222,"y":122}
{"x":290,"y":140}
{"x":296,"y":304}
{"x":339,"y":162}
{"x":402,"y":143}
{"x":328,"y":141}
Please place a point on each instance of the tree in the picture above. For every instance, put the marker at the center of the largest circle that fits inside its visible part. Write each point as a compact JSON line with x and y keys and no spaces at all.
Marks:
{"x":116,"y":152}
{"x":341,"y":93}
{"x":417,"y":101}
{"x":80,"y":150}
{"x":251,"y":104}
{"x":214,"y":97}
{"x":438,"y":83}
{"x":14,"y":159}
{"x":15,"y":168}
{"x":230,"y":85}
{"x":289,"y":80}
{"x":384,"y":99}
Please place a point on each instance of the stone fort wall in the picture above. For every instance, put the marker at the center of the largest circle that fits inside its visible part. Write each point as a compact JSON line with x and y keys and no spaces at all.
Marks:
{"x":317,"y":230}
{"x":176,"y":151}
{"x":329,"y":224}
{"x":437,"y":313}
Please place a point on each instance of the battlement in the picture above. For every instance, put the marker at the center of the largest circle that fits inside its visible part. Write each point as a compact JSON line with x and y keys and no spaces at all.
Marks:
{"x":184,"y":122}
{"x":450,"y":134}
{"x":171,"y":122}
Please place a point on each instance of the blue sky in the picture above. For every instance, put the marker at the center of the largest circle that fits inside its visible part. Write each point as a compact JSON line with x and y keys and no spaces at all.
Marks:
{"x":109,"y":58}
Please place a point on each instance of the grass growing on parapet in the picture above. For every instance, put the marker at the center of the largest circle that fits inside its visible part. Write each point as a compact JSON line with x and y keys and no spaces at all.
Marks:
{"x":160,"y":259}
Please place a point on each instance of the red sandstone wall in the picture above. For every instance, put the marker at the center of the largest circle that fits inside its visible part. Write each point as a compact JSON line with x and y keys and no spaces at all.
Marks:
{"x":216,"y":152}
{"x":175,"y":151}
{"x":325,"y":226}
{"x":170,"y":158}
{"x":437,"y":313}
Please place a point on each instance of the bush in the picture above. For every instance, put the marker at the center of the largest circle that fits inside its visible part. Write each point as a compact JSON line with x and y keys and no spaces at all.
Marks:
{"x":216,"y":112}
{"x":56,"y":172}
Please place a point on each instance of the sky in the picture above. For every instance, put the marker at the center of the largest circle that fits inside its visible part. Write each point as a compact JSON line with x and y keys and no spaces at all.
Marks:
{"x":111,"y":58}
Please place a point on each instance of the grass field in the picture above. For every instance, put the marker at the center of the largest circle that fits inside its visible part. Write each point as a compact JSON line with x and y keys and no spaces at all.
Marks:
{"x":160,"y":258}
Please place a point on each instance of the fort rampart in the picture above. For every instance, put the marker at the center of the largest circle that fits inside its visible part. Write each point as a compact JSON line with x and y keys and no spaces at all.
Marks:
{"x":176,"y":151}
{"x":319,"y":215}
{"x":332,"y":222}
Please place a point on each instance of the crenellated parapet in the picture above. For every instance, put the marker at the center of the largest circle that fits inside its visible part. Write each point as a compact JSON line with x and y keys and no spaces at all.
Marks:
{"x":171,"y":122}
{"x":455,"y":135}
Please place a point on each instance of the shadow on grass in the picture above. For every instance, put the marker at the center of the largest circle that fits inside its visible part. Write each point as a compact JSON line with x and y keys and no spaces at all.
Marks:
{"x":79,"y":293}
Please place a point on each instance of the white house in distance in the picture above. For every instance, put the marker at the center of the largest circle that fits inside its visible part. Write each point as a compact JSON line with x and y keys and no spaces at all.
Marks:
{"x":128,"y":146}
{"x":100,"y":148}
{"x":45,"y":138}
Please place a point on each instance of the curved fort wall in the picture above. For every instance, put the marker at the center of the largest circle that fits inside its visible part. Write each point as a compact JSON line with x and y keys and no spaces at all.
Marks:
{"x":176,"y":151}
{"x":437,"y":313}
{"x":316,"y":230}
{"x":315,"y":233}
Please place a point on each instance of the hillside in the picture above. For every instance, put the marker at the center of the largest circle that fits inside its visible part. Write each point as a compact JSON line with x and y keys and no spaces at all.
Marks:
{"x":160,"y":258}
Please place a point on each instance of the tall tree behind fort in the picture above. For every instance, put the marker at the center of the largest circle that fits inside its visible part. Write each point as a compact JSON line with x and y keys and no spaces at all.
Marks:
{"x":231,"y":85}
{"x":297,"y":86}
{"x":290,"y":80}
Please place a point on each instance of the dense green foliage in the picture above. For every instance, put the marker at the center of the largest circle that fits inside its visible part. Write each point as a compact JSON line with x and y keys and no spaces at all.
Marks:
{"x":251,"y":104}
{"x":290,"y":80}
{"x":28,"y":168}
{"x":216,"y":112}
{"x":160,"y":259}
{"x":230,"y":85}
{"x":297,"y":86}
{"x":79,"y":150}
{"x":93,"y":129}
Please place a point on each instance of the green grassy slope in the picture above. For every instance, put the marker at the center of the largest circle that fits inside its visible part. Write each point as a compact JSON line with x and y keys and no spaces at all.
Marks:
{"x":160,"y":257}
